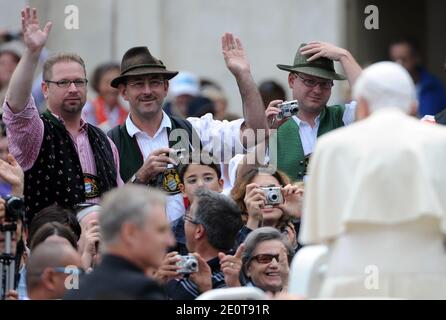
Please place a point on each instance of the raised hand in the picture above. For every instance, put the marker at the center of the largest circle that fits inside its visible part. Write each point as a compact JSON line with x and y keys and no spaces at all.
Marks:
{"x":323,"y":49}
{"x":254,"y":201}
{"x":231,"y":265}
{"x":234,"y":54}
{"x":12,"y":173}
{"x":34,"y":37}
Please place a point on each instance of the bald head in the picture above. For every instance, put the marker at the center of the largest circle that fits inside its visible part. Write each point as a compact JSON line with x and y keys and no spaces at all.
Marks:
{"x":48,"y":255}
{"x":385,"y":85}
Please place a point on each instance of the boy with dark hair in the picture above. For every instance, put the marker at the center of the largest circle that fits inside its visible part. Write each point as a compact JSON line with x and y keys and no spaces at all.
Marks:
{"x":204,"y":174}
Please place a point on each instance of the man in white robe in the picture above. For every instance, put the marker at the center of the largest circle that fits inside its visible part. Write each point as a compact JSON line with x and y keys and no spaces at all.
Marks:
{"x":376,"y":195}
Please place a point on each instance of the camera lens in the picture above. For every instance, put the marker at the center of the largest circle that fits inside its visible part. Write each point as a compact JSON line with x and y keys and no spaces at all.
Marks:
{"x":273,"y":197}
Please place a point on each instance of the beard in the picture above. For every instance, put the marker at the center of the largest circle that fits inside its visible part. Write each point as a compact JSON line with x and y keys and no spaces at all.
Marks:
{"x":72,"y":105}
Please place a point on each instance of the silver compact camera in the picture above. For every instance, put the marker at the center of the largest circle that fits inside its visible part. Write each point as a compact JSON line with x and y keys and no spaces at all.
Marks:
{"x":287,"y":109}
{"x":187,"y":264}
{"x":273,"y":195}
{"x":178,"y":155}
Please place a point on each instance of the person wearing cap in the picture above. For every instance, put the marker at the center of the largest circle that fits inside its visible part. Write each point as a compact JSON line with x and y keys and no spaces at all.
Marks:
{"x":183,"y":89}
{"x":385,"y":220}
{"x":144,"y":141}
{"x":310,"y":79}
{"x":66,"y":160}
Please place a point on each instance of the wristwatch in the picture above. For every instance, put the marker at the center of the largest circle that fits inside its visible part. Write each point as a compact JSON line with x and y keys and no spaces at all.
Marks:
{"x":134,"y":179}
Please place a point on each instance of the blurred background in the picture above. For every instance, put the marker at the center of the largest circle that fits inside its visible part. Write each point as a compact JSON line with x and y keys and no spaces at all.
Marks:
{"x":185,"y":35}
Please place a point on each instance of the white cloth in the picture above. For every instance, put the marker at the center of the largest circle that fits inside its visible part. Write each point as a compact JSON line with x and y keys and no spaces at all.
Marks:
{"x":221,"y":138}
{"x":377,"y":194}
{"x":405,"y":261}
{"x":386,"y":169}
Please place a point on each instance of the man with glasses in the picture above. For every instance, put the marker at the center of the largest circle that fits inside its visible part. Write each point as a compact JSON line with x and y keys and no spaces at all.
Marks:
{"x":211,"y":228}
{"x":48,"y":268}
{"x":311,"y":80}
{"x":149,"y":134}
{"x":66,"y":160}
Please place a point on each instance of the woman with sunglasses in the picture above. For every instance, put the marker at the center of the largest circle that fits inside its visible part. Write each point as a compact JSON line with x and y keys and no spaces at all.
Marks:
{"x":266,"y":260}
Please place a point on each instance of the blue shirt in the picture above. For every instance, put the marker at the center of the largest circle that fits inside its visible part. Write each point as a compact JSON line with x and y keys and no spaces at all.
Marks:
{"x":431,"y":94}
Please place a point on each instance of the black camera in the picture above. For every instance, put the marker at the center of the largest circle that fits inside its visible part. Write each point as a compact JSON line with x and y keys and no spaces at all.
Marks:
{"x":14,"y":209}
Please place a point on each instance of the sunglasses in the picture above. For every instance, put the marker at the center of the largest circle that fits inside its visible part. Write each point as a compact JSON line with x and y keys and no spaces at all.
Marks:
{"x":266,"y":258}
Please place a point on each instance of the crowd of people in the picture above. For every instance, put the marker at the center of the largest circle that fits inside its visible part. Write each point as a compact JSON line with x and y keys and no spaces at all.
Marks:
{"x":154,"y":191}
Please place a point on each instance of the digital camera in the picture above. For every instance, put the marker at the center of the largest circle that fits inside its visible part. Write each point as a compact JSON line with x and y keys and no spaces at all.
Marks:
{"x":187,"y":264}
{"x":178,"y":155}
{"x":273,"y":195}
{"x":287,"y":109}
{"x":14,"y":209}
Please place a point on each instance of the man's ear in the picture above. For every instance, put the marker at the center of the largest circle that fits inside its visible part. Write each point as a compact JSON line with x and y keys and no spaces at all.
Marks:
{"x":362,"y":109}
{"x":413,"y":111}
{"x":122,"y":88}
{"x":221,"y":183}
{"x":45,"y":89}
{"x":200,"y":232}
{"x":291,"y":80}
{"x":48,"y":279}
{"x":181,"y":186}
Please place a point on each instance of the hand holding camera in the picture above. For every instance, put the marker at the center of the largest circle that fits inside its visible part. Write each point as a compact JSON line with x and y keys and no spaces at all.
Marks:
{"x":202,"y":279}
{"x":254,"y":201}
{"x":278,"y":112}
{"x":178,"y":155}
{"x":156,"y":163}
{"x":293,"y":198}
{"x":169,"y":268}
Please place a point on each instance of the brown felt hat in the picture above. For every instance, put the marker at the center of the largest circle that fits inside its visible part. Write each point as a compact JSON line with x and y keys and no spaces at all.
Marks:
{"x":138,"y":61}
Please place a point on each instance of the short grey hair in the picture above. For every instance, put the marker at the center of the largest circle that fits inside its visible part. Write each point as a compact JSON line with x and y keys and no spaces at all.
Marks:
{"x":260,"y":235}
{"x":128,"y":204}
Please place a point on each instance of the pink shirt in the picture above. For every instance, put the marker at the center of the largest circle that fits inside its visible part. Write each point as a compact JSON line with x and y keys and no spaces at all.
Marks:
{"x":25,"y":132}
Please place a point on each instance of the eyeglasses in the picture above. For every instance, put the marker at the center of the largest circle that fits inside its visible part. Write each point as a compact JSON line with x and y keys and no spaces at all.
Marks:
{"x":78,"y":83}
{"x":82,"y":205}
{"x":191,"y":220}
{"x":266,"y":258}
{"x":140,"y":84}
{"x":310,"y":83}
{"x":70,"y":270}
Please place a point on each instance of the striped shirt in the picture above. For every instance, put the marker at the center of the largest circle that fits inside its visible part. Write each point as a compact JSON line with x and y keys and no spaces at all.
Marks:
{"x":25,"y":131}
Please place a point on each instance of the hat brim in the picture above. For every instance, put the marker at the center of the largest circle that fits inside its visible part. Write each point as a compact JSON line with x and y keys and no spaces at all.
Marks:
{"x":312,"y":71}
{"x":143,"y":71}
